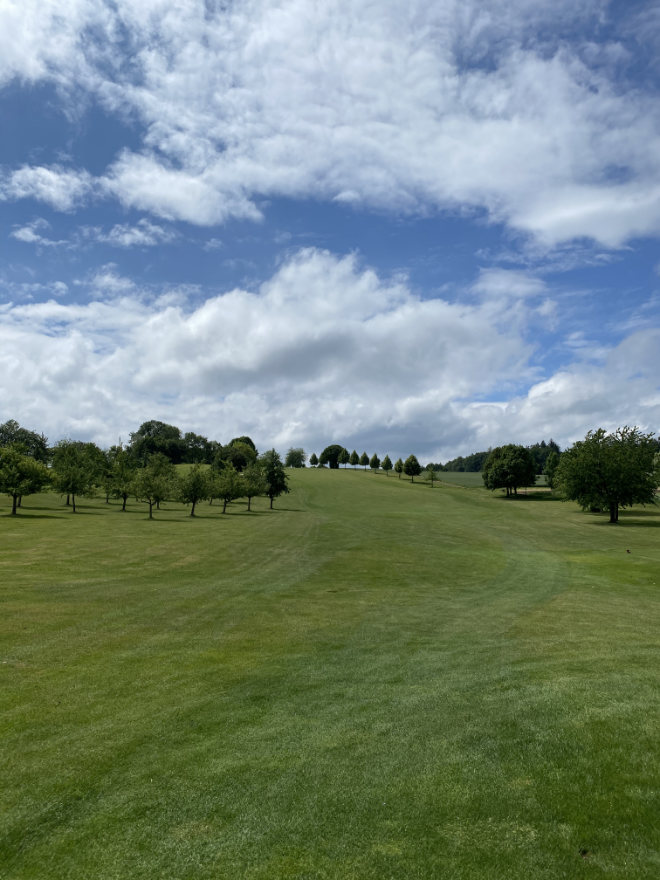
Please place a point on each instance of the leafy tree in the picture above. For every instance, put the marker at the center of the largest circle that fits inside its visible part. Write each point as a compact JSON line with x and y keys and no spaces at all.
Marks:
{"x":412,"y":467}
{"x":194,"y":486}
{"x":253,"y":482}
{"x":274,"y":475}
{"x":238,"y":454}
{"x":551,"y":464}
{"x":353,"y":459}
{"x":77,"y":468}
{"x":609,"y":471}
{"x":20,"y":474}
{"x":245,"y":441}
{"x":158,"y":437}
{"x":386,"y":465}
{"x":313,"y":460}
{"x":330,"y":456}
{"x":122,"y":474}
{"x":398,"y":467}
{"x":364,"y":460}
{"x":374,"y":462}
{"x":295,"y":458}
{"x":196,"y":448}
{"x":430,"y":469}
{"x":27,"y":442}
{"x":343,"y":457}
{"x":508,"y":467}
{"x":154,"y":482}
{"x":227,"y":486}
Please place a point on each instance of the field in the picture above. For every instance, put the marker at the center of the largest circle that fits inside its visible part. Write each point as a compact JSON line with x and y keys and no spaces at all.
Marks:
{"x":374,"y":680}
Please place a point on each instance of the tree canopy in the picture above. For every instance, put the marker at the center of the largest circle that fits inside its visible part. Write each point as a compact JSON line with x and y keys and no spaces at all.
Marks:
{"x":20,"y":474}
{"x":412,"y":467}
{"x":609,"y":470}
{"x":330,"y":455}
{"x":274,"y":475}
{"x":295,"y":458}
{"x":509,"y":467}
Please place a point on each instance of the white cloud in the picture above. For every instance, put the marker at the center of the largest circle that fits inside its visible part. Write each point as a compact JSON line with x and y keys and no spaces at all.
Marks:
{"x":325,"y":350}
{"x":32,"y":234}
{"x":403,"y":106}
{"x":142,"y":234}
{"x":59,"y":187}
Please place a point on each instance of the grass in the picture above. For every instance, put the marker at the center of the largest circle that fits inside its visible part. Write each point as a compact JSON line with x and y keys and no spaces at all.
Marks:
{"x":374,"y":680}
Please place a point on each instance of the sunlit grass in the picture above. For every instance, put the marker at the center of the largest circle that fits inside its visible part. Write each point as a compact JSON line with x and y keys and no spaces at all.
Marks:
{"x":374,"y":680}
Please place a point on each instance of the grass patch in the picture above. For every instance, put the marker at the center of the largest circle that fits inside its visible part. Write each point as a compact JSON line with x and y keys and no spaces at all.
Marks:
{"x":372,"y":680}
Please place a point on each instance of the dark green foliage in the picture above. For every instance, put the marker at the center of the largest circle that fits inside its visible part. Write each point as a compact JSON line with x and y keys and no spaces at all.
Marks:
{"x":354,"y":459}
{"x":330,"y":455}
{"x":398,"y":467}
{"x":77,"y":468}
{"x":509,"y":467}
{"x":412,"y":467}
{"x":364,"y":460}
{"x":295,"y":458}
{"x":550,"y":470}
{"x":609,"y":470}
{"x":274,"y":475}
{"x":197,"y":449}
{"x":28,"y":442}
{"x":374,"y":462}
{"x":386,"y":465}
{"x":227,"y":486}
{"x":470,"y":463}
{"x":237,"y":453}
{"x":194,"y":486}
{"x":343,"y":457}
{"x":157,"y":437}
{"x":430,"y":469}
{"x":20,"y":474}
{"x":313,"y":459}
{"x":122,"y":473}
{"x":155,"y":482}
{"x":540,"y":453}
{"x":254,"y":482}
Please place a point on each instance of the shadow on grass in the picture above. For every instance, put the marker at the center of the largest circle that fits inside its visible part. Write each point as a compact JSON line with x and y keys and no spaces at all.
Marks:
{"x":530,"y":496}
{"x":630,"y":524}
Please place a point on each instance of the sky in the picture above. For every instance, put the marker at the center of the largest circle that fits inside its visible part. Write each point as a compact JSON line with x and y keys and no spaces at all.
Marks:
{"x":403,"y":226}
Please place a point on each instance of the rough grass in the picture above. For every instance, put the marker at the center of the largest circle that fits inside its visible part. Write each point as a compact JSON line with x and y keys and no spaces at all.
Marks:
{"x":374,"y":680}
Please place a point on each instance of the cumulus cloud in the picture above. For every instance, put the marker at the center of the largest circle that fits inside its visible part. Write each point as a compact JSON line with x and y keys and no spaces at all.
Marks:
{"x":61,"y":188}
{"x":326,"y":350}
{"x":142,"y":234}
{"x":32,"y":233}
{"x":402,"y":106}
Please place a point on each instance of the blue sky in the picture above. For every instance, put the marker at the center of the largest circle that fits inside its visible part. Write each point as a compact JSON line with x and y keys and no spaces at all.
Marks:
{"x":405,"y":227}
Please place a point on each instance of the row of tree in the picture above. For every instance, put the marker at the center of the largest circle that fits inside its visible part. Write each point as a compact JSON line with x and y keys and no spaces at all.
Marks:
{"x":335,"y":455}
{"x":82,"y":469}
{"x":605,"y":471}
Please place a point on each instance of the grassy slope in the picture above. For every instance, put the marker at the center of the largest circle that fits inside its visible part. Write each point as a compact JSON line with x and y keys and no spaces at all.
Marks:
{"x":378,"y":680}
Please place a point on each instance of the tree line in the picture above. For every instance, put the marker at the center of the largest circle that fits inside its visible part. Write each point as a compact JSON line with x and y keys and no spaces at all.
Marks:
{"x":145,"y":469}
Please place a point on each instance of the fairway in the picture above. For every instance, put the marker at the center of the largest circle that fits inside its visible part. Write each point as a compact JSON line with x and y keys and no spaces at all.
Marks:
{"x":376,"y":679}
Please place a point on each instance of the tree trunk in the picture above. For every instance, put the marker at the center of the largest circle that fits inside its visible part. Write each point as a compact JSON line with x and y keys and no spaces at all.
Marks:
{"x":151,"y":514}
{"x":123,"y":507}
{"x":224,"y":505}
{"x":14,"y":500}
{"x":271,"y":501}
{"x":68,"y":501}
{"x":73,"y":502}
{"x":614,"y":512}
{"x":192,"y":509}
{"x":249,"y":500}
{"x":20,"y":501}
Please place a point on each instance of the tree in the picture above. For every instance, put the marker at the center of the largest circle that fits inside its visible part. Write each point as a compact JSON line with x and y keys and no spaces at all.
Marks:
{"x":20,"y":474}
{"x":154,"y":482}
{"x":237,"y":453}
{"x":295,"y":458}
{"x":253,"y":483}
{"x":77,"y":467}
{"x":330,"y":456}
{"x":193,"y":486}
{"x":26,"y":442}
{"x":412,"y":467}
{"x":274,"y":475}
{"x":313,"y":460}
{"x":364,"y":460}
{"x":374,"y":462}
{"x":508,"y":467}
{"x":430,"y":469}
{"x":122,"y":474}
{"x":398,"y":467}
{"x":551,"y":465}
{"x":609,"y":471}
{"x":386,"y":465}
{"x":154,"y":436}
{"x":196,"y":448}
{"x":343,"y":457}
{"x":353,"y":458}
{"x":227,"y":486}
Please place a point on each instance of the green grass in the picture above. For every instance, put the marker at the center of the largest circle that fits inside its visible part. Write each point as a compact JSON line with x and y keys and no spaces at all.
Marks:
{"x":374,"y":680}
